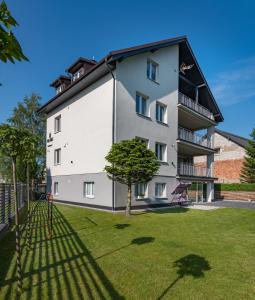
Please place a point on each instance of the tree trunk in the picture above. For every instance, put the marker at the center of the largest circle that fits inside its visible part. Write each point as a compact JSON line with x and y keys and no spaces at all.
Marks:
{"x":128,"y":208}
{"x":28,"y":208}
{"x":18,"y":253}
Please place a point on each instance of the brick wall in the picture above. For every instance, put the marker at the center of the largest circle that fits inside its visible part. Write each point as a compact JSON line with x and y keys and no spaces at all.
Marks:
{"x":227,"y":171}
{"x":227,"y":162}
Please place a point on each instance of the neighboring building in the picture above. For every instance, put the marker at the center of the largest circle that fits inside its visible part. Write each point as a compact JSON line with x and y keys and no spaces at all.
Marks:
{"x":156,"y":92}
{"x":229,"y":156}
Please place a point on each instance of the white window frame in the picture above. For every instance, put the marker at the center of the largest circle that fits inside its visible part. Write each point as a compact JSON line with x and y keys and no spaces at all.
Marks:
{"x":57,"y":156}
{"x":57,"y":124}
{"x":163,"y":186}
{"x":150,"y":74}
{"x":143,"y":140}
{"x":77,"y":74}
{"x":89,"y":192}
{"x":59,"y":89}
{"x":139,"y":100}
{"x":56,"y":186}
{"x":138,"y":189}
{"x":162,"y":146}
{"x":158,"y":113}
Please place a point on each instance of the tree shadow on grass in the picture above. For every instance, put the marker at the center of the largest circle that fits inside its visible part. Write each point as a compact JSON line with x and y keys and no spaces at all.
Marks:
{"x":137,"y":241}
{"x":60,"y":267}
{"x":121,"y":226}
{"x":171,"y":210}
{"x":189,"y":265}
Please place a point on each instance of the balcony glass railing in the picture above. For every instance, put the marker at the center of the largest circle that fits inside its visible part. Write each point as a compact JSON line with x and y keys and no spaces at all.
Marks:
{"x":190,"y":136}
{"x":190,"y":103}
{"x":187,"y":169}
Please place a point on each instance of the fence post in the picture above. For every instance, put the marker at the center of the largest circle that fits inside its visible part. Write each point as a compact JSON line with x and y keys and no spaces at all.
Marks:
{"x":2,"y":203}
{"x":8,"y":200}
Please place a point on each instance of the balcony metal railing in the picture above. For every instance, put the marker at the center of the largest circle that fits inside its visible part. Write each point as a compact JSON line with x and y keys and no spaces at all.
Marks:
{"x":190,"y":136}
{"x":187,"y":169}
{"x":190,"y":103}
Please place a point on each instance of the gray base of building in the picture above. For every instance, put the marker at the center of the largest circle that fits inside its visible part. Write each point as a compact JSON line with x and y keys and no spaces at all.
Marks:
{"x":108,"y":195}
{"x":123,"y":208}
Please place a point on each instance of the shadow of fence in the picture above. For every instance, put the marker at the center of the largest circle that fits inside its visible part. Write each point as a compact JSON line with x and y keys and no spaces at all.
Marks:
{"x":61,"y":267}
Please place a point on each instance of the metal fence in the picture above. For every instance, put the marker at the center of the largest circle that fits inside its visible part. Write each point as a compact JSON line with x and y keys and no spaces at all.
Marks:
{"x":7,"y":205}
{"x":191,"y":170}
{"x":185,"y":100}
{"x":190,"y":136}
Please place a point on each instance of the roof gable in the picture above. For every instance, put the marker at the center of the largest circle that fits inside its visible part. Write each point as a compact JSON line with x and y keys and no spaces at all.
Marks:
{"x":241,"y":141}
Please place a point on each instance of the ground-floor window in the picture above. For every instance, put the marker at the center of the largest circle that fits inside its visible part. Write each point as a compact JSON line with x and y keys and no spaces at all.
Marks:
{"x":160,"y":190}
{"x":55,"y":188}
{"x":141,"y":190}
{"x":88,"y":189}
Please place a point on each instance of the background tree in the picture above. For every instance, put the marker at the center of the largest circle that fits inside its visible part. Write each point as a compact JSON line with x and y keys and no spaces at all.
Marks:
{"x":248,"y":170}
{"x":10,"y":48}
{"x":12,"y":142}
{"x":25,"y":116}
{"x":131,"y":163}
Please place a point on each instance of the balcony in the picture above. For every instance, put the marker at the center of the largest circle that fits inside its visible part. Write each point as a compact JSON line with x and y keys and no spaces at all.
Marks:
{"x":189,"y":170}
{"x":190,"y":143}
{"x":193,"y":115}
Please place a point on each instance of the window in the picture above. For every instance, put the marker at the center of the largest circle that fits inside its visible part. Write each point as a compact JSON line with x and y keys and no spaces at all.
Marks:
{"x":141,"y":190}
{"x":88,"y":189}
{"x":59,"y":89}
{"x":78,"y":74}
{"x":160,"y":190}
{"x":141,"y":105}
{"x":58,"y":124}
{"x":144,"y":141}
{"x":55,"y":188}
{"x":160,"y":112}
{"x":217,"y":151}
{"x":160,"y":150}
{"x":152,"y":69}
{"x":57,"y":157}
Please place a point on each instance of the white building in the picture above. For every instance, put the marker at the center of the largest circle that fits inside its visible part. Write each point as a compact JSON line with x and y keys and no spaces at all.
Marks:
{"x":156,"y":92}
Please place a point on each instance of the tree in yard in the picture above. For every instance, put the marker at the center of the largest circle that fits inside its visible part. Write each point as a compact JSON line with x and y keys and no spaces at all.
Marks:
{"x":131,"y":162}
{"x":25,"y":116}
{"x":27,"y":153}
{"x":248,"y":170}
{"x":10,"y":48}
{"x":11,"y":145}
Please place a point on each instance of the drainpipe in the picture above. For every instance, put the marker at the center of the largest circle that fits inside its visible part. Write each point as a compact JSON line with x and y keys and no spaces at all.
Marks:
{"x":113,"y":125}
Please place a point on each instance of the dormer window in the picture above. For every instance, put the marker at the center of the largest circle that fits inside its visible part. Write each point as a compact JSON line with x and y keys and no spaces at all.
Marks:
{"x":78,"y":74}
{"x":59,"y":89}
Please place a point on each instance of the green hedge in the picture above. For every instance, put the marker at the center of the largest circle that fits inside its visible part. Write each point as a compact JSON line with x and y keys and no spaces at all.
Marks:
{"x":246,"y":187}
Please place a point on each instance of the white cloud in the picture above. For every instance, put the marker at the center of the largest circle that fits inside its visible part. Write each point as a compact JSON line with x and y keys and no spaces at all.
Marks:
{"x":237,"y":84}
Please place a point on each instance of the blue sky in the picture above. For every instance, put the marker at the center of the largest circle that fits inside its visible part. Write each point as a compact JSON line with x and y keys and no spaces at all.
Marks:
{"x":54,"y":33}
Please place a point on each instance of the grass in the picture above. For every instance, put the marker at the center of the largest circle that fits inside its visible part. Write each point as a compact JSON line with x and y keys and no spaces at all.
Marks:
{"x":166,"y":254}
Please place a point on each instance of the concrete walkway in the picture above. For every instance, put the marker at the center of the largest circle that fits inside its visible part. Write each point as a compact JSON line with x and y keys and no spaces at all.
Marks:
{"x":203,"y":207}
{"x":231,"y":204}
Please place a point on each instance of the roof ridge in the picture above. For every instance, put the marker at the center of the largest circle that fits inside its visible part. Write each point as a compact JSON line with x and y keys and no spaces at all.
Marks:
{"x":238,"y":136}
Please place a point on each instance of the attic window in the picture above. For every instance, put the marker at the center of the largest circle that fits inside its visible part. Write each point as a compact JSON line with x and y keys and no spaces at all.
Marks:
{"x":78,"y":74}
{"x":59,"y":89}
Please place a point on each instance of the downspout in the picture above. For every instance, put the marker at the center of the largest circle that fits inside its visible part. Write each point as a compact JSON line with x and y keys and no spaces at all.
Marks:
{"x":113,"y":125}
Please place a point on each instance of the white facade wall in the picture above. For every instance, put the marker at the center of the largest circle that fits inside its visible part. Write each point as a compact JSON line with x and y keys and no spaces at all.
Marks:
{"x":86,"y":130}
{"x":131,"y":78}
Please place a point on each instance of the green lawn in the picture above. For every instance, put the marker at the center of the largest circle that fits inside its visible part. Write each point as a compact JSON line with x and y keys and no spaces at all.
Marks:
{"x":166,"y":254}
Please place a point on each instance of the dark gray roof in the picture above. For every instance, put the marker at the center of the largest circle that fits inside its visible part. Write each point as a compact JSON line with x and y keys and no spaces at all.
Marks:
{"x":103,"y":66}
{"x":239,"y":140}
